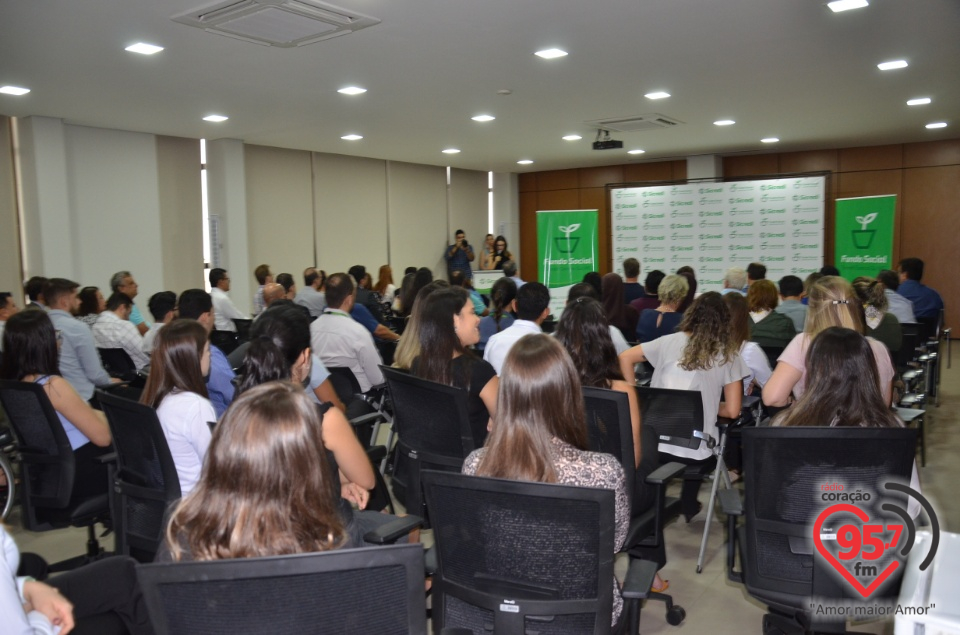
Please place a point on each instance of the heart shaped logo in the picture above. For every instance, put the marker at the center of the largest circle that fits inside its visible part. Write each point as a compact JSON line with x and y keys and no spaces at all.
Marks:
{"x":865,"y":591}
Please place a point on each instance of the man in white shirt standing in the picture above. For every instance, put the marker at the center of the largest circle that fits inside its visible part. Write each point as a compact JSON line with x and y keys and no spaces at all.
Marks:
{"x":340,"y":341}
{"x":113,"y":329}
{"x":532,"y":307}
{"x":224,"y":310}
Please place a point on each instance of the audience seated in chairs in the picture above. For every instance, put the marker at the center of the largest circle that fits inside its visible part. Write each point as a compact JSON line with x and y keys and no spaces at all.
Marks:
{"x":882,"y":325}
{"x":832,"y":303}
{"x":767,"y":326}
{"x":619,"y":314}
{"x":30,"y":355}
{"x":701,"y":356}
{"x":175,"y":388}
{"x":539,"y":433}
{"x":532,"y":308}
{"x":663,"y":320}
{"x":448,"y":326}
{"x":753,"y":356}
{"x":224,"y":309}
{"x":265,"y":489}
{"x":113,"y":329}
{"x":409,"y":346}
{"x":502,"y":295}
{"x":196,"y":304}
{"x":92,"y":304}
{"x":123,"y":282}
{"x":163,"y":308}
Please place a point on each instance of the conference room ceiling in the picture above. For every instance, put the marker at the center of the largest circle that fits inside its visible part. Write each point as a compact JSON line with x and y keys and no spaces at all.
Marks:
{"x":790,"y":69}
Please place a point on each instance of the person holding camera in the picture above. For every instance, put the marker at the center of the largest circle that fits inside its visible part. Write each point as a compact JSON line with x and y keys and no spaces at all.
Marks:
{"x":459,"y":255}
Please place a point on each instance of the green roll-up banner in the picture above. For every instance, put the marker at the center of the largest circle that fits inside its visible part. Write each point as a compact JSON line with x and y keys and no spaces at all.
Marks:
{"x":864,"y":235}
{"x":567,"y":249}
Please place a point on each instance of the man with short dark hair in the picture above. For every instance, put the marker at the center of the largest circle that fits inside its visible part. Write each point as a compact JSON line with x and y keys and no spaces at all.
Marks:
{"x":7,"y":308}
{"x":365,"y":297}
{"x":123,"y":282}
{"x":113,"y":329}
{"x":756,"y":271}
{"x":632,"y":289}
{"x":342,"y":342}
{"x":651,"y":286}
{"x":901,"y":307}
{"x":311,"y":295}
{"x":532,"y":307}
{"x":79,"y":360}
{"x":196,"y":304}
{"x":791,"y":290}
{"x":224,"y":311}
{"x":34,"y":289}
{"x":510,"y":271}
{"x":459,"y":255}
{"x":927,"y":303}
{"x":163,"y":308}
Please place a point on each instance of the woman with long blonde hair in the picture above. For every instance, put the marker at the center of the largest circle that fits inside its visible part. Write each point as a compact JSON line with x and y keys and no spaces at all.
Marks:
{"x":832,"y":303}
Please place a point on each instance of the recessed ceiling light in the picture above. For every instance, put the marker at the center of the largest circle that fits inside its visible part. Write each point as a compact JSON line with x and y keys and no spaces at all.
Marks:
{"x":352,"y":90}
{"x":352,"y":137}
{"x":845,"y":5}
{"x":657,"y":95}
{"x":724,"y":122}
{"x":451,"y":151}
{"x":524,"y":161}
{"x":215,"y":118}
{"x":889,"y":66}
{"x":769,"y":140}
{"x":14,"y":90}
{"x":143,"y":48}
{"x":637,"y":151}
{"x":549,"y":54}
{"x":937,"y":124}
{"x":572,"y":137}
{"x":483,"y":118}
{"x":919,"y":101}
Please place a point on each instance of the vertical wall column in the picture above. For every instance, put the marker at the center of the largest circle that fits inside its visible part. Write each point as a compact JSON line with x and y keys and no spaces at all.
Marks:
{"x":48,"y":224}
{"x":506,"y":210}
{"x":227,"y":199}
{"x":10,"y":265}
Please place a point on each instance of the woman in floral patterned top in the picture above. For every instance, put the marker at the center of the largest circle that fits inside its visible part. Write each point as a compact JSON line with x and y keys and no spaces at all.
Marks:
{"x":539,"y":432}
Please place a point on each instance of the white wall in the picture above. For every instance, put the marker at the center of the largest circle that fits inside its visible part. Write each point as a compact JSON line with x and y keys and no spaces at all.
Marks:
{"x":417,"y":214}
{"x":10,"y":273}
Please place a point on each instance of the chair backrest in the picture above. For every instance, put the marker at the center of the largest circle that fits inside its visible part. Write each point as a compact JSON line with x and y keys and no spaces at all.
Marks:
{"x":676,"y":415}
{"x":226,"y":341}
{"x":46,"y":458}
{"x":773,"y":353}
{"x":515,"y":555}
{"x":347,"y":591}
{"x":344,"y":383}
{"x":785,"y":471}
{"x":117,"y":362}
{"x":243,"y":328}
{"x":912,"y":338}
{"x":432,"y":425}
{"x":610,"y":429}
{"x":146,"y":479}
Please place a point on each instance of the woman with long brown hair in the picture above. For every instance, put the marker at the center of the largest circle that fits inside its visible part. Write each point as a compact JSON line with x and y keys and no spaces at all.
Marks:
{"x":385,"y":287}
{"x":265,"y":489}
{"x":176,"y":389}
{"x":539,"y":432}
{"x":703,"y":356}
{"x":753,"y":356}
{"x":619,"y":313}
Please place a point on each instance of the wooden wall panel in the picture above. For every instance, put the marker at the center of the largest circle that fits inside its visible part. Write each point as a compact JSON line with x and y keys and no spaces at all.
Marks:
{"x":679,"y":170}
{"x":558,"y":180}
{"x":528,"y":235}
{"x":931,"y":153}
{"x":931,"y":225}
{"x":811,"y":161}
{"x":636,"y":172}
{"x":527,"y":182}
{"x":559,"y":199}
{"x":872,"y":158}
{"x":875,"y":183}
{"x":751,"y":165}
{"x":599,"y":177}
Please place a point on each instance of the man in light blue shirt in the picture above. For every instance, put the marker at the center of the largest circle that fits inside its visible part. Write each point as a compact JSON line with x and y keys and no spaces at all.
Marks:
{"x":310,"y":295}
{"x":901,"y":307}
{"x":196,"y":304}
{"x":79,"y":360}
{"x":123,"y":282}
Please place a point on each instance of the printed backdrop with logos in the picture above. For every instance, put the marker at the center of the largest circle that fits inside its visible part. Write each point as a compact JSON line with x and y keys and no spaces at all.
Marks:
{"x":714,"y":226}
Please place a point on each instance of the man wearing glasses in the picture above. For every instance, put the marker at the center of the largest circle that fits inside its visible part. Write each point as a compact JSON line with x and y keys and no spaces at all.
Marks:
{"x":224,"y":310}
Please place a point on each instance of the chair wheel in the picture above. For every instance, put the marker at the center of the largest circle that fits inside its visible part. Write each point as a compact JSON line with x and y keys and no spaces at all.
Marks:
{"x":676,"y":615}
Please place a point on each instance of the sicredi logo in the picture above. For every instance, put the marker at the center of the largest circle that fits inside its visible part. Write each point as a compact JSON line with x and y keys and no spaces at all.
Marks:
{"x":765,"y":245}
{"x":687,"y":213}
{"x":711,"y":201}
{"x":805,"y":221}
{"x":653,"y":226}
{"x":740,"y":212}
{"x":796,"y":246}
{"x":771,"y":198}
{"x":653,"y":215}
{"x":740,"y":200}
{"x":676,"y":189}
{"x":653,"y":248}
{"x":681,"y":225}
{"x":624,"y":206}
{"x":798,"y":233}
{"x":649,"y":238}
{"x":739,"y":187}
{"x":735,"y":235}
{"x":805,"y":258}
{"x":660,"y":260}
{"x":653,"y":204}
{"x":679,"y":236}
{"x":711,"y":236}
{"x":768,"y":222}
{"x":774,"y":258}
{"x":773,"y":235}
{"x":625,"y":194}
{"x":704,"y":213}
{"x":681,"y":203}
{"x":653,"y":193}
{"x":740,"y":247}
{"x":710,"y":190}
{"x":771,"y":186}
{"x":806,"y":197}
{"x":680,"y":248}
{"x":704,"y":224}
{"x":738,"y":223}
{"x":626,"y":228}
{"x":710,"y":259}
{"x":625,"y":216}
{"x":764,"y":211}
{"x":800,"y":208}
{"x":709,"y":247}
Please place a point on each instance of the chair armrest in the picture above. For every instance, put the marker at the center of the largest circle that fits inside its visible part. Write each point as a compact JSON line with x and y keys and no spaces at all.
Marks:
{"x":665,"y":473}
{"x":392,"y":531}
{"x":430,"y":563}
{"x":730,"y":502}
{"x":110,"y":457}
{"x":455,"y":631}
{"x":639,"y":578}
{"x":376,"y":453}
{"x":362,"y":419}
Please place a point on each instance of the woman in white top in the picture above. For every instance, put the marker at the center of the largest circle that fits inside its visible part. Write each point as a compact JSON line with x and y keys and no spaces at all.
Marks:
{"x":832,"y":303}
{"x":701,"y":356}
{"x":385,"y":287}
{"x":175,"y":387}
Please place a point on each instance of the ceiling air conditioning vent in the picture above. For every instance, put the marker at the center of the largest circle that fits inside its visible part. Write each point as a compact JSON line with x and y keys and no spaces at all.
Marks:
{"x":638,"y":123}
{"x":281,"y":23}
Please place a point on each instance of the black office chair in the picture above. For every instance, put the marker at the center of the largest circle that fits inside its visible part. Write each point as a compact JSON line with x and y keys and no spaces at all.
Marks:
{"x":48,"y":469}
{"x":521,"y":557}
{"x":610,"y":431}
{"x":145,"y":481}
{"x":784,"y":472}
{"x":117,"y":363}
{"x":433,"y":430}
{"x":773,"y":353}
{"x":243,"y":329}
{"x":226,"y":341}
{"x":348,"y":592}
{"x":365,"y":411}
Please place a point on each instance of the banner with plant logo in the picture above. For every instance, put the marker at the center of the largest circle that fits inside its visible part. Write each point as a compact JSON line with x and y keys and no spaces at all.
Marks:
{"x":567,"y":249}
{"x":864,"y":235}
